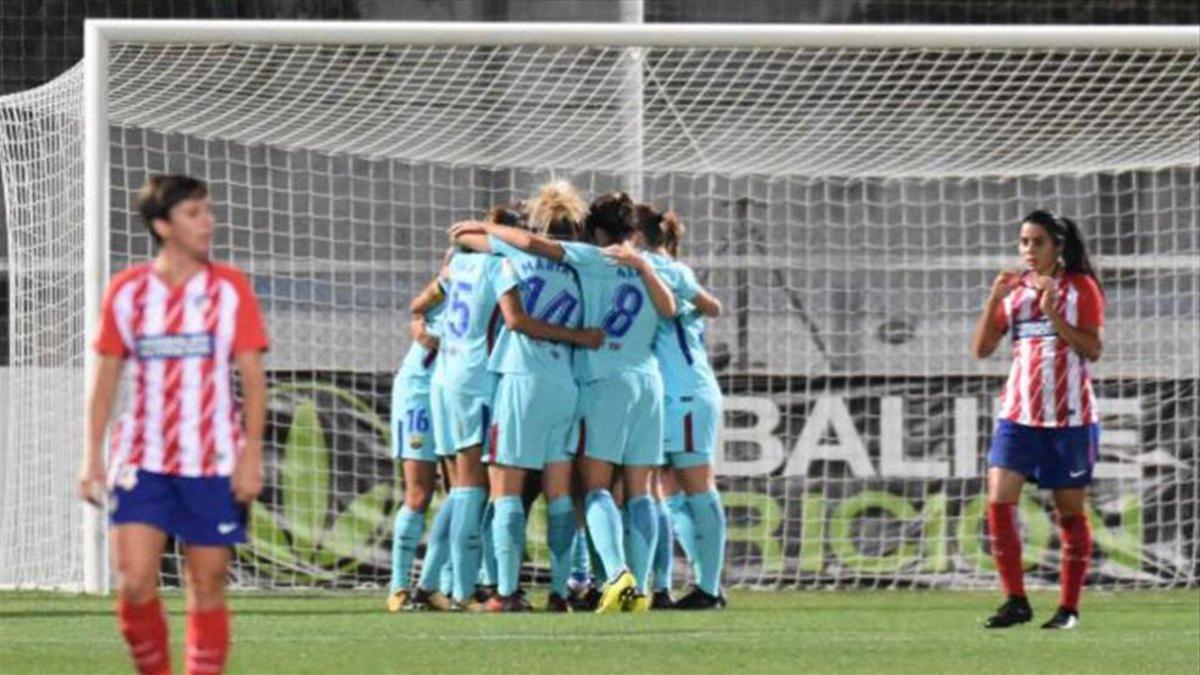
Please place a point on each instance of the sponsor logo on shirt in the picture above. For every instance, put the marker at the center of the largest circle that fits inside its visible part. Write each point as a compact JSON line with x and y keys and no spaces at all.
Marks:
{"x":182,"y":346}
{"x":1040,"y":328}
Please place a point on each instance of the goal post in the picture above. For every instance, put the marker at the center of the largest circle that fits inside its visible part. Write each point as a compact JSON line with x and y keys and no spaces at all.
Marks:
{"x":96,"y":268}
{"x":849,"y":192}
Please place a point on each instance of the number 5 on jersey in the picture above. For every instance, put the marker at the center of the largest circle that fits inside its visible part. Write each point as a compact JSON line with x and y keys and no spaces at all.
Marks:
{"x":459,"y":312}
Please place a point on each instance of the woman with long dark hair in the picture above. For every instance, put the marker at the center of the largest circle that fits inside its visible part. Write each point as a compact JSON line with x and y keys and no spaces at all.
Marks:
{"x":1048,"y":427}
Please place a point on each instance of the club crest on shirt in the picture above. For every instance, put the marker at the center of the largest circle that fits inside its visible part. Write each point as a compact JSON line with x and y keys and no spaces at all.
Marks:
{"x":415,"y":441}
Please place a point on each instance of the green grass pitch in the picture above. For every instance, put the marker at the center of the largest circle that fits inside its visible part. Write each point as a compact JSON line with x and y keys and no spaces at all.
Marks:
{"x":762,"y":632}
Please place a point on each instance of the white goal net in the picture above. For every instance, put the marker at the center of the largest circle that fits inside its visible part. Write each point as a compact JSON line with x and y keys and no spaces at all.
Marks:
{"x":849,"y":195}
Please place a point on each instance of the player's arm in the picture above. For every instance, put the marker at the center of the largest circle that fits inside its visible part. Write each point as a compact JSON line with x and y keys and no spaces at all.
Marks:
{"x":429,"y":297}
{"x":518,"y":238}
{"x":988,"y":331}
{"x":707,"y":303}
{"x":517,"y":320}
{"x":249,"y":343}
{"x":660,"y":295}
{"x":687,"y":287}
{"x":105,"y":381}
{"x":1083,"y":339}
{"x":475,"y":241}
{"x":247,"y":478}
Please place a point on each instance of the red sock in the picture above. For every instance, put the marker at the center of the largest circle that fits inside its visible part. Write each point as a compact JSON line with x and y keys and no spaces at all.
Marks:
{"x":1076,"y":536}
{"x":207,"y":641}
{"x":1006,"y":547}
{"x":145,"y":629}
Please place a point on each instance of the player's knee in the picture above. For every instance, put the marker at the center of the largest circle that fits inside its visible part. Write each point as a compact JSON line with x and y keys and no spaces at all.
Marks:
{"x":206,"y":585}
{"x":137,"y":586}
{"x":417,"y":497}
{"x":1068,"y":508}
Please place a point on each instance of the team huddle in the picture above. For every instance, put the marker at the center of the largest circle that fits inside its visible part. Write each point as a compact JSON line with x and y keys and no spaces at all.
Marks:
{"x":561,"y":351}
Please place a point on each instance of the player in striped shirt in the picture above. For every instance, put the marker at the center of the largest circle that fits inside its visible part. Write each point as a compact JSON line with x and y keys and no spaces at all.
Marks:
{"x":181,"y":463}
{"x":1048,"y":427}
{"x":691,"y":421}
{"x":620,"y":394}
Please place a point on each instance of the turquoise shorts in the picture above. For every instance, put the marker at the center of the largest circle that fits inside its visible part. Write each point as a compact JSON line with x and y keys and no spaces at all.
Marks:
{"x":460,"y":418}
{"x":534,"y":422}
{"x":412,"y":421}
{"x":621,"y":419}
{"x":690,"y":427}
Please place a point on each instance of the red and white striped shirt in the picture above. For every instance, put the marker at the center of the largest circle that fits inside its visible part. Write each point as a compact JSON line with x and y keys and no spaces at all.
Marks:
{"x":1049,"y":384}
{"x":182,"y":419}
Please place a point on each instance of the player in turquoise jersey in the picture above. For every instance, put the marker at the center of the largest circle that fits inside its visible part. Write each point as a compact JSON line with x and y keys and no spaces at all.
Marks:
{"x":620,"y":396}
{"x":535,"y":401}
{"x":412,"y":441}
{"x":463,"y":388}
{"x":432,"y":590}
{"x":691,"y":421}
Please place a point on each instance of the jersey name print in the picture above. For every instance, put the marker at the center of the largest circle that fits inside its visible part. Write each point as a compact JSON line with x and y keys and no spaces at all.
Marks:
{"x":174,"y":346}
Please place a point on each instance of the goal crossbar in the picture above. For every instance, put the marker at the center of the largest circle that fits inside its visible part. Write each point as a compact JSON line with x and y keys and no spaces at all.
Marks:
{"x":648,"y":35}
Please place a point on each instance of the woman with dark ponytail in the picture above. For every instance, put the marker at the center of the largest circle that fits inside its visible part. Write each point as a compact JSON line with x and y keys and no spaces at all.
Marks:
{"x":1048,"y":429}
{"x":691,"y":420}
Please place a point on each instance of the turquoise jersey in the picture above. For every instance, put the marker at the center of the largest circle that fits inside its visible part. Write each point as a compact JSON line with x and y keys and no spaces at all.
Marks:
{"x":549,"y":291}
{"x":417,"y":367}
{"x":679,"y":341}
{"x":468,"y":319}
{"x":614,"y":299}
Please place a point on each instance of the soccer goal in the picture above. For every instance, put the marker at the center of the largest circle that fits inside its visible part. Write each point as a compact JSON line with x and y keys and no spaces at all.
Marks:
{"x":849,"y":193}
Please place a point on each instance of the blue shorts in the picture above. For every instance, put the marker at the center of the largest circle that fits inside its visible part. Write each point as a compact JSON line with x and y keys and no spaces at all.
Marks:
{"x":1061,"y":457}
{"x":621,"y":419}
{"x":200,"y":511}
{"x":412,"y":421}
{"x":690,"y":427}
{"x":534,"y":422}
{"x":460,"y":418}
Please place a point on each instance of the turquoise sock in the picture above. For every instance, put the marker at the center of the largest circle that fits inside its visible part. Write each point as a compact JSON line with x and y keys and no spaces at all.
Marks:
{"x":406,"y":534}
{"x":684,"y":528}
{"x":709,"y":517}
{"x":487,"y":570}
{"x":643,"y":535}
{"x":604,"y":524}
{"x":446,"y":578}
{"x":594,"y":556}
{"x":664,"y":549}
{"x":581,"y":557}
{"x":466,"y":545}
{"x":560,"y":538}
{"x":508,"y":529}
{"x":437,"y":549}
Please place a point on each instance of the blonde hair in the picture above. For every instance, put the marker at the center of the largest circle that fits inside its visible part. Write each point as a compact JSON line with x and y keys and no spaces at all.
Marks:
{"x":557,"y":210}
